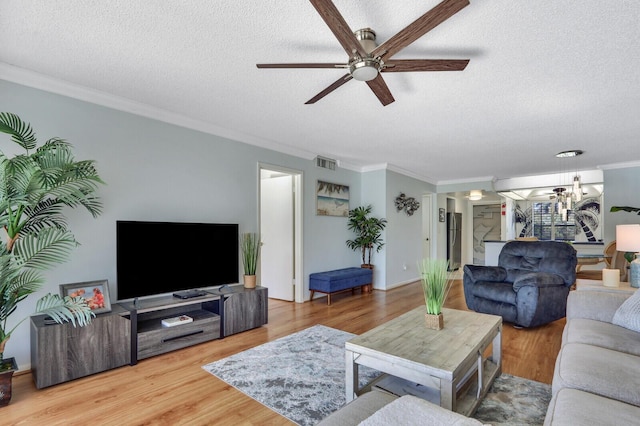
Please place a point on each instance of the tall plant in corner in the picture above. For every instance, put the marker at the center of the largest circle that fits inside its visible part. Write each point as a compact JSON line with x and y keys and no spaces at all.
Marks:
{"x":35,"y":187}
{"x":368,"y":230}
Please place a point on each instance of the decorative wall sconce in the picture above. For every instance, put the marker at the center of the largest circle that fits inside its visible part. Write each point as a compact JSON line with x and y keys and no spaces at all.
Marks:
{"x":409,"y":204}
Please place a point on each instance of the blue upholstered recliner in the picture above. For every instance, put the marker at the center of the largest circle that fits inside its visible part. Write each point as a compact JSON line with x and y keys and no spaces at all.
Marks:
{"x":530,"y":285}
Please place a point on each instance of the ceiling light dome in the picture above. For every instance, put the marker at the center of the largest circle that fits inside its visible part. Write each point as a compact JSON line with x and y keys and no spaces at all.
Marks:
{"x":364,"y":69}
{"x":475,"y":195}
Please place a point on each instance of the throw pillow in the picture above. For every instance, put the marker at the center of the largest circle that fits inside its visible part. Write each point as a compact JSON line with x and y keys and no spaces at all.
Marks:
{"x":628,"y":314}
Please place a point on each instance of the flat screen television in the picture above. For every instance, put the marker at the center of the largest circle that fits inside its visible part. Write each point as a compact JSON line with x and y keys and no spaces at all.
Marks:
{"x":164,"y":257}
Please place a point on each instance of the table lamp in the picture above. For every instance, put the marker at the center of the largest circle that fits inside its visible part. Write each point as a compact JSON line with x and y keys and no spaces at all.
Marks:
{"x":628,"y":240}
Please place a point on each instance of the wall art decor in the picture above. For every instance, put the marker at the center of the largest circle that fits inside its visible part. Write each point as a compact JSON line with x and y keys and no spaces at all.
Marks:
{"x":533,"y":219}
{"x":441,"y":215}
{"x":408,"y":204}
{"x":332,"y":199}
{"x":95,"y":293}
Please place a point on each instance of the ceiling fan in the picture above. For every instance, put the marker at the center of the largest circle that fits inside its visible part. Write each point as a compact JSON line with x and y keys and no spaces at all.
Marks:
{"x":367,"y":61}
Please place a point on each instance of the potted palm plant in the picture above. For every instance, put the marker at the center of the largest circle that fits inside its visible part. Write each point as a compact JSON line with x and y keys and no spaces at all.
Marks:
{"x":250,"y":246}
{"x":368,"y":230}
{"x":436,"y":283}
{"x":35,"y":187}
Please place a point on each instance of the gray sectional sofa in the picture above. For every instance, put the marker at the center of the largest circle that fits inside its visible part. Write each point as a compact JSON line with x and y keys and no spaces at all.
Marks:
{"x":596,"y":377}
{"x":597,"y":371}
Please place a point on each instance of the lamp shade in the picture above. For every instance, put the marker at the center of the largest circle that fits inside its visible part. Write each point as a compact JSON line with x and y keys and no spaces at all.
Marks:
{"x":628,"y":238}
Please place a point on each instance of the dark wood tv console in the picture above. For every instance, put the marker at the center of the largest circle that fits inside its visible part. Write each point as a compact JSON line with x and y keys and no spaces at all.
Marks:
{"x":62,"y":352}
{"x":149,"y":337}
{"x":134,"y":331}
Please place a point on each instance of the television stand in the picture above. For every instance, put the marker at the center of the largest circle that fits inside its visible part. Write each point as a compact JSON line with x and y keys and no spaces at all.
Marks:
{"x":150,"y":338}
{"x":189,"y":294}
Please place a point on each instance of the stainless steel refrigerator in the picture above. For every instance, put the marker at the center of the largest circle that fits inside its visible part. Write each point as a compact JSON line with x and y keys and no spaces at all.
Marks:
{"x":454,"y":240}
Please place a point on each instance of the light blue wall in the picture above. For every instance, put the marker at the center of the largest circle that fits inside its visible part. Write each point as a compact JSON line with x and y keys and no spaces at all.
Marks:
{"x":404,"y":239}
{"x":159,"y":171}
{"x":621,"y":188}
{"x":373,"y":192}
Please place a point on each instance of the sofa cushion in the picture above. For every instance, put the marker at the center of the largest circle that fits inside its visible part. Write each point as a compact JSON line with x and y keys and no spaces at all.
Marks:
{"x":628,"y":314}
{"x":601,"y":371}
{"x":411,"y":410}
{"x":496,"y":292}
{"x":602,"y":334}
{"x":600,"y":305}
{"x":570,"y":407}
{"x":358,"y":409}
{"x":555,"y":257}
{"x":485,"y":273}
{"x":537,"y":279}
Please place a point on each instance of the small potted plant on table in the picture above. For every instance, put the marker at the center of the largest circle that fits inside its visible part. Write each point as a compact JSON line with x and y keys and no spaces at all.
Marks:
{"x":436,"y":283}
{"x":250,"y":245}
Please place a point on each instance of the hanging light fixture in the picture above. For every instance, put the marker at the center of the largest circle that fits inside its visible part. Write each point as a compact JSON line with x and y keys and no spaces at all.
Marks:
{"x":576,"y":189}
{"x":565,"y":198}
{"x":561,"y":202}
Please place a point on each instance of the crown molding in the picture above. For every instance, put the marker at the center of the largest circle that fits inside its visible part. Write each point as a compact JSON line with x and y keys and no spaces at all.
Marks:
{"x":470,"y":180}
{"x":624,"y":165}
{"x":393,"y":168}
{"x":60,"y":87}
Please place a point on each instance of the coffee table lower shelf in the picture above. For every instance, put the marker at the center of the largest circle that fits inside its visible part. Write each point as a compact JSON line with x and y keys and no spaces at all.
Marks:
{"x":467,"y":397}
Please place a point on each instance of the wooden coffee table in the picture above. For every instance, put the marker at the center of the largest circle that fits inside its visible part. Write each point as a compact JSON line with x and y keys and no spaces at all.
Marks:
{"x":459,"y":362}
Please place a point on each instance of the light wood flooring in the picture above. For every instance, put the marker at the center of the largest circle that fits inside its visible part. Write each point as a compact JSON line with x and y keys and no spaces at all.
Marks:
{"x":173,"y":389}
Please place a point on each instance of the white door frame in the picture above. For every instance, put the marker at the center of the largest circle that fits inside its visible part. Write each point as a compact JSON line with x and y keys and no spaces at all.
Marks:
{"x":427,"y":224}
{"x":297,"y":176}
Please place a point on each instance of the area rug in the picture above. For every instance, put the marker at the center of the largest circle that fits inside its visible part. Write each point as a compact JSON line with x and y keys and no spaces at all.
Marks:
{"x":301,"y":376}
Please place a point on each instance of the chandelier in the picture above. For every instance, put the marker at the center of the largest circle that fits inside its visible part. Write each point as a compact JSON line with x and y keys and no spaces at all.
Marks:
{"x":566,"y":197}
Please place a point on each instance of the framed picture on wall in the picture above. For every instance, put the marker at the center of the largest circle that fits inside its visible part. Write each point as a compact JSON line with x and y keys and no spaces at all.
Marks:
{"x":332,"y":199}
{"x":95,"y":293}
{"x":441,"y":215}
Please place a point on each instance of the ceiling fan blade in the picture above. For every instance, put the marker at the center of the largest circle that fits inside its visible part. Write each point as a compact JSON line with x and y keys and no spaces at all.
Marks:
{"x":342,"y":80}
{"x":307,"y":65}
{"x":409,"y":65}
{"x":339,"y":27}
{"x":420,"y":27}
{"x":380,"y":89}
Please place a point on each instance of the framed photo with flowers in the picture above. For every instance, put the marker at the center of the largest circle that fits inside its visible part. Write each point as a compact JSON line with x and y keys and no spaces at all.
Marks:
{"x":95,"y":293}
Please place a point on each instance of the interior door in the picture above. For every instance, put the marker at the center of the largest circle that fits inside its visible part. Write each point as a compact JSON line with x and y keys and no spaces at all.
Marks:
{"x":277,"y":232}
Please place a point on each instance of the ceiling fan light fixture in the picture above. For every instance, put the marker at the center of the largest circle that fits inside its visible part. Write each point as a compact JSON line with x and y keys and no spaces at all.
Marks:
{"x":365,"y":69}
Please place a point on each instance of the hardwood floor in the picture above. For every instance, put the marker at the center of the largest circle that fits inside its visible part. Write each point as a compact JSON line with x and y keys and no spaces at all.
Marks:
{"x":173,"y":389}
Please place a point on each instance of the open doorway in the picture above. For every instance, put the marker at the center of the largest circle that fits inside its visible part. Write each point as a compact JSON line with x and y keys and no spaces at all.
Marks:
{"x":281,"y":232}
{"x":486,"y":227}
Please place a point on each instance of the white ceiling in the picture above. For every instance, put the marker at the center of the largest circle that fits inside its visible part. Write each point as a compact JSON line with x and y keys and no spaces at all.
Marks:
{"x":544,"y":76}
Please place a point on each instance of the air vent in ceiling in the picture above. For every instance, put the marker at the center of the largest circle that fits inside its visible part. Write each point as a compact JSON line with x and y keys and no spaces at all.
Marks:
{"x":325,"y":163}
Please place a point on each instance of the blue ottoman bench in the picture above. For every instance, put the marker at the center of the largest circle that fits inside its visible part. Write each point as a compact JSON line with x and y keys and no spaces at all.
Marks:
{"x":340,"y":280}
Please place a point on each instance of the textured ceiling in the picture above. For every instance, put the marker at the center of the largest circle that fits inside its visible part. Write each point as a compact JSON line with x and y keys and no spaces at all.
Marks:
{"x":544,"y":76}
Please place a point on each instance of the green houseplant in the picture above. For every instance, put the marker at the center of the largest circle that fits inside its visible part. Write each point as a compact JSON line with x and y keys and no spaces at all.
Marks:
{"x":368,"y":230}
{"x":250,"y":246}
{"x":436,"y":283}
{"x":35,"y":187}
